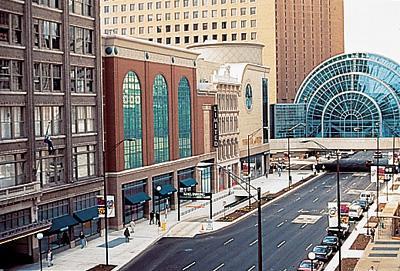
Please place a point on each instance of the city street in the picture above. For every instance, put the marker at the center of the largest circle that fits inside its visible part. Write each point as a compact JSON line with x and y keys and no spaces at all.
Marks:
{"x":287,"y":238}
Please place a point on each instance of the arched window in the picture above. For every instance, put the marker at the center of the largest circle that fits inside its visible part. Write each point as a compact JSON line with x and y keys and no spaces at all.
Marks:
{"x":184,"y":118}
{"x":160,"y":121}
{"x":248,"y":97}
{"x":132,"y":121}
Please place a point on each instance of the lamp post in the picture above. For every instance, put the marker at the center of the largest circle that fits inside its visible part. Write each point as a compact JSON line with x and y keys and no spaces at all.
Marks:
{"x":311,"y":257}
{"x":339,"y":221}
{"x":105,"y":192}
{"x":249,"y":136}
{"x":39,"y":236}
{"x":158,"y":188}
{"x":289,"y":134}
{"x":377,"y":156}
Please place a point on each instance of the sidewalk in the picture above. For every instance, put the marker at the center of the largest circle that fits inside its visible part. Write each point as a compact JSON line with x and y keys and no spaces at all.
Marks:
{"x":192,"y":222}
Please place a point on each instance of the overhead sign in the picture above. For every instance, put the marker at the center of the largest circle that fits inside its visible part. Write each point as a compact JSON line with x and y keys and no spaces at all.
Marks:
{"x":194,"y":195}
{"x":110,"y":206}
{"x":215,"y":127}
{"x":381,"y":174}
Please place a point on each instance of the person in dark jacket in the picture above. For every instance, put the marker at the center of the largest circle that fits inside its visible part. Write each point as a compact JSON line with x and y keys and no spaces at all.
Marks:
{"x":127,"y":234}
{"x":151,"y":218}
{"x":82,"y":239}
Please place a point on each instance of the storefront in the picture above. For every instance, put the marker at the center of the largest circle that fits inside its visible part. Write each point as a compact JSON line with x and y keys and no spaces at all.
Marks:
{"x":256,"y":166}
{"x":134,"y":201}
{"x":186,"y":181}
{"x":163,"y":191}
{"x":206,"y":177}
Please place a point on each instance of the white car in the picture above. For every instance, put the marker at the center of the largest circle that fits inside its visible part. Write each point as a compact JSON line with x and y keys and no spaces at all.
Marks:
{"x":355,"y":211}
{"x":368,"y":196}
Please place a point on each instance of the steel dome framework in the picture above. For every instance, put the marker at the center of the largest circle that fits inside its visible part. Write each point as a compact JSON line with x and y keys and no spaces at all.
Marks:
{"x":352,"y":95}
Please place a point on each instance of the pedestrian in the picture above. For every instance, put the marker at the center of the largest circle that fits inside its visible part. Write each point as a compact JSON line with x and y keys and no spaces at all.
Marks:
{"x":151,"y":218}
{"x":373,"y":234}
{"x":372,"y":268}
{"x":158,"y":219}
{"x":127,"y":234}
{"x":49,"y":258}
{"x":82,"y":239}
{"x":132,"y":225}
{"x":279,"y":171}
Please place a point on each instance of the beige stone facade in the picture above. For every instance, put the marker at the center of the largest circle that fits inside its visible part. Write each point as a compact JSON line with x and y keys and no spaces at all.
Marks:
{"x":186,"y":22}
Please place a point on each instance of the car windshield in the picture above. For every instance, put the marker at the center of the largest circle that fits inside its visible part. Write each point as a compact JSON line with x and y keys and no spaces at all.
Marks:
{"x":319,"y":249}
{"x":307,"y":264}
{"x":330,"y":239}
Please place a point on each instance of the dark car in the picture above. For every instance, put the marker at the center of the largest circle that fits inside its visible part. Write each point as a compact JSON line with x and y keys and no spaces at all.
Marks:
{"x":305,"y":265}
{"x":331,"y":241}
{"x":322,"y":253}
{"x":362,"y":203}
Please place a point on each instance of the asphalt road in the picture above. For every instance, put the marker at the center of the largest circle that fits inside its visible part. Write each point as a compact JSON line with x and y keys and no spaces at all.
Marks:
{"x":285,"y":243}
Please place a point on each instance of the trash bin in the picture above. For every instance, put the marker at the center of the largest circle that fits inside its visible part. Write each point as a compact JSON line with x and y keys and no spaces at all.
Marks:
{"x":163,"y":226}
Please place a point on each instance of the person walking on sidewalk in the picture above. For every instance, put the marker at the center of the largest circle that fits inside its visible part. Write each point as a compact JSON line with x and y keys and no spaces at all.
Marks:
{"x":158,"y":219}
{"x":373,"y":234}
{"x":49,"y":258}
{"x":372,"y":268}
{"x":82,"y":239}
{"x":127,"y":234}
{"x":132,"y":225}
{"x":151,"y":218}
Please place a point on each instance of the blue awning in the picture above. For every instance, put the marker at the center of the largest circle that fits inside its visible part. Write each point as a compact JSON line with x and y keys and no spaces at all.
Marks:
{"x":190,"y":182}
{"x":62,"y":222}
{"x":87,"y":214}
{"x":166,"y":190}
{"x":137,"y":198}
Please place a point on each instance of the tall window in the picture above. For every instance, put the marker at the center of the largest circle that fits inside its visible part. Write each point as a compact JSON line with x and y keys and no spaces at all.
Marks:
{"x":47,"y":77}
{"x":83,"y":119}
{"x":248,"y":97}
{"x":10,"y":75}
{"x":80,"y":40}
{"x":12,"y":170}
{"x":132,"y":121}
{"x":48,"y":120}
{"x":10,"y":28}
{"x":84,"y":162}
{"x":46,"y":35}
{"x":184,"y":119}
{"x":82,"y":80}
{"x":50,"y":167}
{"x":160,"y":111}
{"x":48,"y":3}
{"x":11,"y":122}
{"x":81,"y":7}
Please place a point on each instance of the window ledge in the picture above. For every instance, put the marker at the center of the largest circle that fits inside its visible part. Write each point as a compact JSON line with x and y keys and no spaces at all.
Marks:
{"x":49,"y":93}
{"x":13,"y":140}
{"x":13,"y":46}
{"x":82,"y":55}
{"x":13,"y":92}
{"x":52,"y":136}
{"x":48,"y":8}
{"x":84,"y":94}
{"x":82,"y":16}
{"x":84,"y":134}
{"x":50,"y":51}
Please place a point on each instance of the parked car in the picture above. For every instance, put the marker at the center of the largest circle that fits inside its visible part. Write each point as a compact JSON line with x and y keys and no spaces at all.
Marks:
{"x":368,"y":196}
{"x":305,"y":265}
{"x":322,"y":253}
{"x":331,"y":241}
{"x":355,"y":211}
{"x":363,"y":203}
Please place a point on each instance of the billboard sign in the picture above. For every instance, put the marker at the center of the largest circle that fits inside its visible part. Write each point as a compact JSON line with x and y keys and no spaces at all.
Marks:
{"x":381,"y":174}
{"x":110,"y":206}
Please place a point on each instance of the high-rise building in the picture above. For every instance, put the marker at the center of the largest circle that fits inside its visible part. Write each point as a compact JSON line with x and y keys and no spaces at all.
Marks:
{"x":50,"y":125}
{"x":297,"y":34}
{"x":307,"y":33}
{"x":184,"y":22}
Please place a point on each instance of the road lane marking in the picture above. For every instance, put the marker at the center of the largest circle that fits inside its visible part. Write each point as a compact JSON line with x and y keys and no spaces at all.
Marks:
{"x":300,"y":211}
{"x":256,"y":225}
{"x":322,"y":211}
{"x":368,"y":186}
{"x":280,"y":224}
{"x":280,"y":210}
{"x":281,"y":244}
{"x":218,"y":267}
{"x":324,"y":182}
{"x":297,"y":199}
{"x":251,"y":268}
{"x":227,"y":242}
{"x":303,"y":226}
{"x":188,"y":266}
{"x":252,"y":243}
{"x":308,"y":247}
{"x":316,"y":199}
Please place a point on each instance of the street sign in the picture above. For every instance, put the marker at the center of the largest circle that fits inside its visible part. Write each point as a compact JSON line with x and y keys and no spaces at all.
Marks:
{"x":194,"y":195}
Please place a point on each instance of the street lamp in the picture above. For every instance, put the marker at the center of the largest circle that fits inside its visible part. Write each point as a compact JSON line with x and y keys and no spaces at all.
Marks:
{"x":337,"y":195}
{"x":39,"y":236}
{"x":105,"y":192}
{"x":248,"y":160}
{"x":289,"y":134}
{"x":158,"y":188}
{"x":311,"y":257}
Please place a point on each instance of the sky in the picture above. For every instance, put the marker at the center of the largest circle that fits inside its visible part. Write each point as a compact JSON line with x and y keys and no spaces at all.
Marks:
{"x":373,"y":26}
